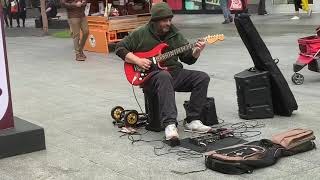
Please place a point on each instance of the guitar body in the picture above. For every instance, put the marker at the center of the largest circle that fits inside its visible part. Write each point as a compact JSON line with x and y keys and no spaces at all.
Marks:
{"x":136,"y":75}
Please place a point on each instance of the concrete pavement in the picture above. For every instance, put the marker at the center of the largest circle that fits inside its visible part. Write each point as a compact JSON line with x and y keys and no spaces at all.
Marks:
{"x":72,"y":101}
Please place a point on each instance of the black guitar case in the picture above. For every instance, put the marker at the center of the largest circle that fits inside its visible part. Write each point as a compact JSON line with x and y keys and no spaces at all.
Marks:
{"x":283,"y":100}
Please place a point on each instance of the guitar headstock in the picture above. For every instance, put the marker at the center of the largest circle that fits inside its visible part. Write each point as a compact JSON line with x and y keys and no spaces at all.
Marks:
{"x":214,"y":38}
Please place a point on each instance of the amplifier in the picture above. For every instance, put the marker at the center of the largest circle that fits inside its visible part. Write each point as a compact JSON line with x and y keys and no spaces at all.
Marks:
{"x":254,"y":94}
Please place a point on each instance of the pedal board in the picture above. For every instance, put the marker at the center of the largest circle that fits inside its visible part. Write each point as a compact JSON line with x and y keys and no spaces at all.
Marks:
{"x":205,"y":139}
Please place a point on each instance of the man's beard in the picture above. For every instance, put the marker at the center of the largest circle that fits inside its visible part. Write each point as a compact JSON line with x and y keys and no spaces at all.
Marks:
{"x":164,"y":30}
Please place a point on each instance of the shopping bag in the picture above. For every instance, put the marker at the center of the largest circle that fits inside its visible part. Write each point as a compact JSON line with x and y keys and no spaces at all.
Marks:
{"x":235,"y":5}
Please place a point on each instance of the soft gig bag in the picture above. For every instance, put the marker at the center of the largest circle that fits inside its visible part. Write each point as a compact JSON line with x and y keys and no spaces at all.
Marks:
{"x":283,"y":100}
{"x":243,"y":158}
{"x":295,"y":141}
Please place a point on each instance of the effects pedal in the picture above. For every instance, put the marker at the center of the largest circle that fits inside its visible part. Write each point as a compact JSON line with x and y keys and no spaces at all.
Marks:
{"x":216,"y":135}
{"x":203,"y":140}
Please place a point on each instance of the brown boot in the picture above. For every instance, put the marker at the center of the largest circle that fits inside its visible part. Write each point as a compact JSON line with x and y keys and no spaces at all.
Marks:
{"x":79,"y":57}
{"x":83,"y":55}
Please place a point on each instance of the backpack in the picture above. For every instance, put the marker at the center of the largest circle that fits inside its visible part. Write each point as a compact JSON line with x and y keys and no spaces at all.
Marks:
{"x":14,"y":6}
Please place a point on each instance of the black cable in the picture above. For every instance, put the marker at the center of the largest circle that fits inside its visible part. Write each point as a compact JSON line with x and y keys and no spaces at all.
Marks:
{"x":242,"y":129}
{"x":189,"y":172}
{"x":134,"y":93}
{"x":133,"y":140}
{"x":183,"y":154}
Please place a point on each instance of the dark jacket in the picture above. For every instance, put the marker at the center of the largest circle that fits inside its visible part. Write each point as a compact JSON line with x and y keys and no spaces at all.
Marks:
{"x":22,"y":9}
{"x":144,"y":39}
{"x":72,"y":10}
{"x":53,"y":12}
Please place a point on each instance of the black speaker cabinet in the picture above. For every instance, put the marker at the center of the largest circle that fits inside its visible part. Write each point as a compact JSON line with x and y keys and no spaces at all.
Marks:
{"x":152,"y":111}
{"x":254,"y":94}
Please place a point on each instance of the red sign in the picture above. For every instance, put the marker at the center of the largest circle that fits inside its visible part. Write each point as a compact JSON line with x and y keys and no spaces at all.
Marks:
{"x":6,"y":114}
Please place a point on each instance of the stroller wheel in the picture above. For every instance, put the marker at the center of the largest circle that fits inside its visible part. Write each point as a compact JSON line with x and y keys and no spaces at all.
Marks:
{"x":297,"y":78}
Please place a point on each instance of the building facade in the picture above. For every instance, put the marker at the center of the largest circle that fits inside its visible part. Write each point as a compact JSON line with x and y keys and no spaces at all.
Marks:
{"x":213,"y":6}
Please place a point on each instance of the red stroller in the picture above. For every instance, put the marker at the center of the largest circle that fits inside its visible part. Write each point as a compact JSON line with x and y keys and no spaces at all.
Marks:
{"x":309,"y":55}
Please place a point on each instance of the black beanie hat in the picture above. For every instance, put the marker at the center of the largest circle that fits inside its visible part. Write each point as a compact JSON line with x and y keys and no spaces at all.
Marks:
{"x":160,"y":11}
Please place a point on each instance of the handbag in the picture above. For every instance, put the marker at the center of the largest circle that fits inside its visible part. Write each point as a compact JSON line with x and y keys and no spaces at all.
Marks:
{"x":237,"y":5}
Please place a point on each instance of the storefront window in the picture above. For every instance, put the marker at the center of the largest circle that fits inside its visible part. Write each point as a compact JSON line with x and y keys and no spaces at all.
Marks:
{"x":287,"y":1}
{"x":193,"y":4}
{"x":212,"y":4}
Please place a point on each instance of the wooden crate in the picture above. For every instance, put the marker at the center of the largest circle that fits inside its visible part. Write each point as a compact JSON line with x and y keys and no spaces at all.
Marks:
{"x":103,"y":31}
{"x":121,"y":25}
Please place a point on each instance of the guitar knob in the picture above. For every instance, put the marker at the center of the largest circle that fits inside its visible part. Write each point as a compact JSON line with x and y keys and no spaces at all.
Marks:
{"x":140,"y":78}
{"x":142,"y":74}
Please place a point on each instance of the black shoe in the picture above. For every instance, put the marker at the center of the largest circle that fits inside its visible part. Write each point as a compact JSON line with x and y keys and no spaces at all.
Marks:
{"x":230,"y":18}
{"x":18,"y":25}
{"x":226,"y":22}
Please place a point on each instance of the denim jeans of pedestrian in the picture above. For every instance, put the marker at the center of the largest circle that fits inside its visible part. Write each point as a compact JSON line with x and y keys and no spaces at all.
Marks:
{"x":225,"y":10}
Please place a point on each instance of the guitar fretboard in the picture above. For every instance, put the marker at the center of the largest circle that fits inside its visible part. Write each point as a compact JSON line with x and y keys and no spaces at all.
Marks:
{"x":174,"y":52}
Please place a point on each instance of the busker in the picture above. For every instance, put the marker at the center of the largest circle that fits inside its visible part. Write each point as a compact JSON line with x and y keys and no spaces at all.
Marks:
{"x":165,"y":83}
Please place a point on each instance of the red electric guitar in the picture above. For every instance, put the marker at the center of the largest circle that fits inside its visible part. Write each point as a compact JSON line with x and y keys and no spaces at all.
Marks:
{"x":137,"y":75}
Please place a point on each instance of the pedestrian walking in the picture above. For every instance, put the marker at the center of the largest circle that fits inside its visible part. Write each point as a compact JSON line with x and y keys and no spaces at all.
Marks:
{"x":301,"y":4}
{"x":226,"y":12}
{"x":4,"y":4}
{"x":13,"y":10}
{"x":262,"y":8}
{"x":77,"y":21}
{"x":22,"y":12}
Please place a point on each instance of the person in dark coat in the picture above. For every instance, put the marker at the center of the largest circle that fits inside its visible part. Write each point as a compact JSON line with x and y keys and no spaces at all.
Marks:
{"x":22,"y":11}
{"x":164,"y":84}
{"x":4,"y":4}
{"x":13,"y":11}
{"x":262,"y":8}
{"x":51,"y":10}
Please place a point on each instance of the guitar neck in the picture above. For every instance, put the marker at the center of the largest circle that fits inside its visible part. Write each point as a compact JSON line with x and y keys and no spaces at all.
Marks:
{"x":167,"y":55}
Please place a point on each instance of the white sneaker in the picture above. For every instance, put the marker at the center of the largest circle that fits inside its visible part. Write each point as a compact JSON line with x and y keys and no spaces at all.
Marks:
{"x":197,"y":126}
{"x":295,"y":18}
{"x":171,"y":132}
{"x":309,"y":12}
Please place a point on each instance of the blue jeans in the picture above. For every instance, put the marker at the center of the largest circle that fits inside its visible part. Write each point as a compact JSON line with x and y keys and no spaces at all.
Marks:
{"x":225,"y":10}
